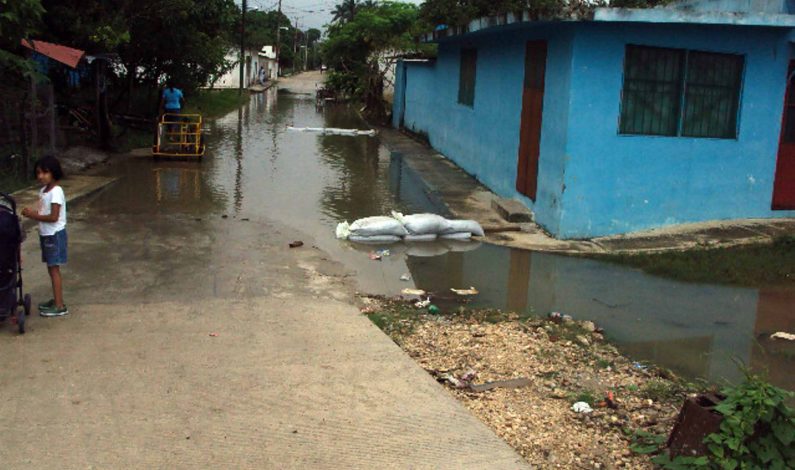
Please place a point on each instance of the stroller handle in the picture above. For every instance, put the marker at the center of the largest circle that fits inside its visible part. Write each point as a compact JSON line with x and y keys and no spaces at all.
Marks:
{"x":10,"y":201}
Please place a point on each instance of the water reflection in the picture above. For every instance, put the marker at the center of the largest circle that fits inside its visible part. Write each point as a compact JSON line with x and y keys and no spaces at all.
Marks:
{"x":255,"y":167}
{"x":694,"y":329}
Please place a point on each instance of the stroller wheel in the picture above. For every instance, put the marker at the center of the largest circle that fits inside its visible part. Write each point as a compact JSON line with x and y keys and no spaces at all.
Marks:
{"x":26,"y":304}
{"x":21,"y":321}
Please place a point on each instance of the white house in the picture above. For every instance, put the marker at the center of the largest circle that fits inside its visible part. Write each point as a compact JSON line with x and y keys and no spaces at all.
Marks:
{"x":267,"y":60}
{"x":231,"y":79}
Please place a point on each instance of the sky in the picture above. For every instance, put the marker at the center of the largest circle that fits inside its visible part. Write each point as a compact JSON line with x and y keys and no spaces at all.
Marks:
{"x":310,"y":13}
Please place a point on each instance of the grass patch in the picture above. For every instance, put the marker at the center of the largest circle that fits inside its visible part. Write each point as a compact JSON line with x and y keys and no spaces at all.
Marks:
{"x":215,"y":103}
{"x":749,"y":265}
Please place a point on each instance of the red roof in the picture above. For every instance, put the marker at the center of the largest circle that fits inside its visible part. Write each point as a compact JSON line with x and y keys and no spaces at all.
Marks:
{"x":63,"y":54}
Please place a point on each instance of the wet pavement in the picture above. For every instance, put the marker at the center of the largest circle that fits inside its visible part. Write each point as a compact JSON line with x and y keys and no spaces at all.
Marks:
{"x":256,"y":168}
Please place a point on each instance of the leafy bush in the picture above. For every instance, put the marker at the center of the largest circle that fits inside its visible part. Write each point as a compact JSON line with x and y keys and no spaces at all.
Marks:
{"x":757,"y":432}
{"x":758,"y":428}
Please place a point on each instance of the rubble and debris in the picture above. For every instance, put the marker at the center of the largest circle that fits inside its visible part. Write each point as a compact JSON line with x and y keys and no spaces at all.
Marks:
{"x":296,"y":244}
{"x":422,"y":303}
{"x":532,"y":418}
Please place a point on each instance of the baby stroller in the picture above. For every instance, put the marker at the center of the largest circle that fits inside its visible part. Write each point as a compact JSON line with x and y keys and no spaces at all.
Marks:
{"x":11,"y":237}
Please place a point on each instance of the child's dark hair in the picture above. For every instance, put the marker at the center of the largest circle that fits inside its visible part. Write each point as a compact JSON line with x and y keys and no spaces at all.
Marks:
{"x":51,"y":164}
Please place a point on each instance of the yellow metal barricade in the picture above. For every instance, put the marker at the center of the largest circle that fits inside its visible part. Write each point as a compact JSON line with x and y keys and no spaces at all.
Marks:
{"x":179,"y":136}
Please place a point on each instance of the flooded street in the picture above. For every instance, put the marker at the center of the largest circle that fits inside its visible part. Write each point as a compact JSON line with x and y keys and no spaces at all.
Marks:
{"x":255,"y":168}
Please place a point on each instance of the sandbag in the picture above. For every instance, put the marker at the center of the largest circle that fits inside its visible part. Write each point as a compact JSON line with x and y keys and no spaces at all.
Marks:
{"x":421,"y":224}
{"x":428,"y":237}
{"x":374,"y":239}
{"x":378,"y":225}
{"x":456,"y":236}
{"x":470,"y":226}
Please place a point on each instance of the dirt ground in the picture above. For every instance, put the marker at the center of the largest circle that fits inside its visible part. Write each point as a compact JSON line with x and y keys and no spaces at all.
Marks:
{"x":565,"y":362}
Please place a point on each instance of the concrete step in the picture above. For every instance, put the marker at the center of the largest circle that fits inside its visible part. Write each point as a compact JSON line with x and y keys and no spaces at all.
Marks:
{"x":512,"y":210}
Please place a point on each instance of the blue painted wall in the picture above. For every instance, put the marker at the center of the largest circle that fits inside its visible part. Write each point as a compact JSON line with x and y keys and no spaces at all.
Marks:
{"x":619,"y":183}
{"x":593,"y":181}
{"x":484,"y":139}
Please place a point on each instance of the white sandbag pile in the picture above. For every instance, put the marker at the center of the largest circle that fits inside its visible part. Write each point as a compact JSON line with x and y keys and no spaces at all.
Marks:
{"x":410,"y":228}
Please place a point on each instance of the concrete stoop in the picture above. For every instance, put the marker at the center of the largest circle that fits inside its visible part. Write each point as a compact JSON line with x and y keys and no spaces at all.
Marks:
{"x":465,"y":197}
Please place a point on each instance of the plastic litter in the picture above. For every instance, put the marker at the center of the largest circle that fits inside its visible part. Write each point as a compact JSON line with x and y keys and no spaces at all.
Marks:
{"x":433,"y":309}
{"x":783,"y":335}
{"x":422,"y":303}
{"x":405,"y":277}
{"x":374,"y":256}
{"x":334,"y":131}
{"x":408,"y":291}
{"x":213,"y":334}
{"x":470,"y":291}
{"x":383,"y":253}
{"x":581,"y":407}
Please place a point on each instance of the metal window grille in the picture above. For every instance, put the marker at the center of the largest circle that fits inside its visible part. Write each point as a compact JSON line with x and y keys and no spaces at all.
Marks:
{"x":652,"y":90}
{"x":675,"y":92}
{"x":466,"y":82}
{"x":712,"y":93}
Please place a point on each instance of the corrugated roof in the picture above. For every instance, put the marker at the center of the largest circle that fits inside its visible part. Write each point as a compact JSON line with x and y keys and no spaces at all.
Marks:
{"x":63,"y":54}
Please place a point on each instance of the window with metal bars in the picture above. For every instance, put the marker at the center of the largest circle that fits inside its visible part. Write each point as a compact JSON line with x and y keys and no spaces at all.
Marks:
{"x":466,"y":81}
{"x":678,"y":92}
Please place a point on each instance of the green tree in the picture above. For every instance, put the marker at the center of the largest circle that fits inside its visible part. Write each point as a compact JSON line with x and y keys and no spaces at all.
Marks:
{"x":355,"y":50}
{"x":186,"y":39}
{"x":261,"y":31}
{"x":18,"y":20}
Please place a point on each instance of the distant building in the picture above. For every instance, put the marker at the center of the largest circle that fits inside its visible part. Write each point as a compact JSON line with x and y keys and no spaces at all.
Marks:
{"x":231,"y":79}
{"x":267,"y":58}
{"x":621,"y":120}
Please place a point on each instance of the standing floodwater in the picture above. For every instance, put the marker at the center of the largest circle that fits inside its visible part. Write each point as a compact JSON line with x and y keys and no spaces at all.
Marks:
{"x":255,"y":167}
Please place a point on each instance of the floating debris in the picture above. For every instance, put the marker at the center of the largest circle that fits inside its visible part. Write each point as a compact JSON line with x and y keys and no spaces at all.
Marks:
{"x":334,"y":131}
{"x":470,"y":291}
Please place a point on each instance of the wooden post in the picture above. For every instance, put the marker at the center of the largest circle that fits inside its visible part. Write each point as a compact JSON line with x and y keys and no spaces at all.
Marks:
{"x":51,"y":111}
{"x":242,"y":47}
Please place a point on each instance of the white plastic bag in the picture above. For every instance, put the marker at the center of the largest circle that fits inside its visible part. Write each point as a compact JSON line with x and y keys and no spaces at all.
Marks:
{"x":421,"y":224}
{"x":470,"y":226}
{"x":378,"y":225}
{"x":343,"y":230}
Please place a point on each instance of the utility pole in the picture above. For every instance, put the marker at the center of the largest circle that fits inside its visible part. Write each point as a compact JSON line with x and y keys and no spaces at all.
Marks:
{"x":242,"y":47}
{"x":295,"y":46}
{"x":278,"y":35}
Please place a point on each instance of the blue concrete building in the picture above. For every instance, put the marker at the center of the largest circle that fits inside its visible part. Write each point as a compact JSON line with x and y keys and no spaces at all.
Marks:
{"x":621,"y":121}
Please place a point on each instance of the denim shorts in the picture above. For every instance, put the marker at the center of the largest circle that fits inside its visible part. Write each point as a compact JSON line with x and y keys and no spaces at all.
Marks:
{"x":53,"y":248}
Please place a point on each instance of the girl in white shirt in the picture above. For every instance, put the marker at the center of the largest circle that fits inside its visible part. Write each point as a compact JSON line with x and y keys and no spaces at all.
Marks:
{"x":51,"y":215}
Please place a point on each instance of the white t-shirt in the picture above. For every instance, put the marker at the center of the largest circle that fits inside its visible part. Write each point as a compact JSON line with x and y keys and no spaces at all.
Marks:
{"x":46,"y":200}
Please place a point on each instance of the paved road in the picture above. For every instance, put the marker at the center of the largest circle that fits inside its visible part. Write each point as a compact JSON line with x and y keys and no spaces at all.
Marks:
{"x":197,"y":341}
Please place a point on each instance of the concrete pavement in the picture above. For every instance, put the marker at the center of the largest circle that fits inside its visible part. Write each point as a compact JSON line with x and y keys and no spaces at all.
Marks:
{"x":204,"y":342}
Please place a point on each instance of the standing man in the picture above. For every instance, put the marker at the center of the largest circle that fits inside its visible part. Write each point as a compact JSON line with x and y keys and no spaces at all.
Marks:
{"x":172,"y":102}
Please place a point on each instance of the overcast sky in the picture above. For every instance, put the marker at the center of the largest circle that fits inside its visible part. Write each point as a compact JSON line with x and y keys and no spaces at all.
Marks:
{"x":310,"y":13}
